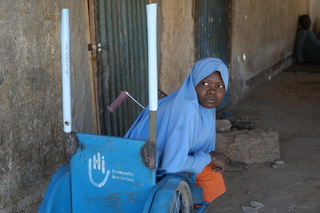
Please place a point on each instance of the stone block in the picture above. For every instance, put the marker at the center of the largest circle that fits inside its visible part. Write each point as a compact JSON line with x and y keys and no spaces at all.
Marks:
{"x":223,"y":125}
{"x":250,"y":146}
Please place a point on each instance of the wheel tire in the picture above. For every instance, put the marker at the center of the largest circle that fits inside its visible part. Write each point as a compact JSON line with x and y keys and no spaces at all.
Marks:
{"x":182,"y":199}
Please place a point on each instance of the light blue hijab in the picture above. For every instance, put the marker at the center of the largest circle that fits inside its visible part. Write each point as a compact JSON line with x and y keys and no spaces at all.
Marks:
{"x":186,"y":131}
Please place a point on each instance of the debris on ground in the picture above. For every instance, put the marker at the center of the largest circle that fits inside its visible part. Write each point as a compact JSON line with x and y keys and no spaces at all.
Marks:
{"x":254,"y":208}
{"x":277,"y":163}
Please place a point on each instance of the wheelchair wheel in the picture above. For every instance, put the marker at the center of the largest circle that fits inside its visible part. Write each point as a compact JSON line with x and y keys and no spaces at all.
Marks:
{"x":182,"y":199}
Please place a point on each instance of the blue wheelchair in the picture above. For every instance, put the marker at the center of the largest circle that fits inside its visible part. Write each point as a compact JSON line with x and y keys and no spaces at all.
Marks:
{"x":111,"y":174}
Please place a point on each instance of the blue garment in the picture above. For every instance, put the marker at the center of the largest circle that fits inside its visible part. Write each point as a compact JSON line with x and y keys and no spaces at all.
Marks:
{"x":185,"y":129}
{"x":307,"y":47}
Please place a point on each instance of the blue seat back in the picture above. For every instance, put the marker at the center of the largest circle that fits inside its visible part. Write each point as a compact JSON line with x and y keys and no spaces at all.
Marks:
{"x":108,"y":174}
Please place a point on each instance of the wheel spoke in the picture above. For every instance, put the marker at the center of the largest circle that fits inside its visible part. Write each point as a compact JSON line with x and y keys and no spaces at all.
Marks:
{"x":182,"y":199}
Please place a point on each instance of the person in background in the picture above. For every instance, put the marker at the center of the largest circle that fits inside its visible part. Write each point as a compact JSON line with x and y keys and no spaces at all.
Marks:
{"x":186,"y":131}
{"x":307,"y":45}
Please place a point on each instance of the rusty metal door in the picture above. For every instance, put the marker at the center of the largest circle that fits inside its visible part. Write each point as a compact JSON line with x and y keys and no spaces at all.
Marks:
{"x":212,"y":31}
{"x":122,"y":60}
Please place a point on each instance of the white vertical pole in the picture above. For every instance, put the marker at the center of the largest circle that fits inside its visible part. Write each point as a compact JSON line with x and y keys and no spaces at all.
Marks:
{"x":65,"y":56}
{"x":152,"y":56}
{"x":153,"y":82}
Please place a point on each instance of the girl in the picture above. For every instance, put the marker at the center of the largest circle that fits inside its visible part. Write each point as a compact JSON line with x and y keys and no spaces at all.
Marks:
{"x":186,"y":127}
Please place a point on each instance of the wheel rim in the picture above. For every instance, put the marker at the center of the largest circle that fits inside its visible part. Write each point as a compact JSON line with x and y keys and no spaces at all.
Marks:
{"x":182,"y":199}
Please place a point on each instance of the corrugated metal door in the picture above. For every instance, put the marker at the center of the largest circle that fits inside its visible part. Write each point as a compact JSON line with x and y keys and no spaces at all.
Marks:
{"x":122,"y":60}
{"x":212,"y":31}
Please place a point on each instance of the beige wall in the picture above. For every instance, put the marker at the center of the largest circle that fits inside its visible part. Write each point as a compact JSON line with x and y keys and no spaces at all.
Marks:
{"x":177,"y":48}
{"x":315,"y":15}
{"x":262,"y":35}
{"x":31,"y":142}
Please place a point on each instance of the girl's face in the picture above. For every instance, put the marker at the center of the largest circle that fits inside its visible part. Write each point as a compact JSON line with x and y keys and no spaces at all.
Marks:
{"x":211,"y":90}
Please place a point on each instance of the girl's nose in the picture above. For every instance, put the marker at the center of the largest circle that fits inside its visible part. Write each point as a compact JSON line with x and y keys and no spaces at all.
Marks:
{"x":211,"y":91}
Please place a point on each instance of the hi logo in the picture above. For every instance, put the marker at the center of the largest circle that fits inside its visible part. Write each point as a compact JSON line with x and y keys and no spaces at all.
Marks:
{"x":97,"y":165}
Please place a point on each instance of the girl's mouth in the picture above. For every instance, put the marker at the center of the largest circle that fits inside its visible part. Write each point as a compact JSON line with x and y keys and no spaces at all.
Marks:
{"x":211,"y":100}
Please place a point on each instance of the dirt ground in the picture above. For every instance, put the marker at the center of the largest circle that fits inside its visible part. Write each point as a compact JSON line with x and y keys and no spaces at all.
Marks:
{"x":290,"y":103}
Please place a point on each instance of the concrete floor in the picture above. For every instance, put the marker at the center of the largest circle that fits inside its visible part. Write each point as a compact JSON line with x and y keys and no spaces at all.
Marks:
{"x":290,"y":103}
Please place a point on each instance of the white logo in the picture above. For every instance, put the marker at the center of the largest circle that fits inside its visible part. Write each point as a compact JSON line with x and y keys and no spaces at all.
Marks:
{"x":98,"y":164}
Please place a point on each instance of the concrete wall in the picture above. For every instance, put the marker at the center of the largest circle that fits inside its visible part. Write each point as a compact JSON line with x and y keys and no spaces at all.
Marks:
{"x":262,"y":38}
{"x":31,"y":142}
{"x":315,"y":15}
{"x":177,"y":47}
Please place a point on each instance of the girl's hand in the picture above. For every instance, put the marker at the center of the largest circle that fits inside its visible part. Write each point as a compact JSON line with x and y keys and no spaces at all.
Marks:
{"x":219,"y":160}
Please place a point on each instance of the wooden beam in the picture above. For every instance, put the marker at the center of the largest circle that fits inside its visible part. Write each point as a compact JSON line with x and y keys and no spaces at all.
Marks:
{"x":92,"y":55}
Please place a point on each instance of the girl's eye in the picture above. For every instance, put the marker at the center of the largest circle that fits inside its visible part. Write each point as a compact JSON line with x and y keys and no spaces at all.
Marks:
{"x":205,"y":83}
{"x":220,"y":86}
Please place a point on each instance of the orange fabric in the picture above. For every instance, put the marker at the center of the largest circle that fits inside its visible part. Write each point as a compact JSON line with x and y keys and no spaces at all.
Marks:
{"x":211,"y":182}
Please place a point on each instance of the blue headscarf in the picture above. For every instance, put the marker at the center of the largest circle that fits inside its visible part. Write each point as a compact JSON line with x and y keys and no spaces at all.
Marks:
{"x":185,"y":129}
